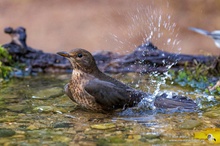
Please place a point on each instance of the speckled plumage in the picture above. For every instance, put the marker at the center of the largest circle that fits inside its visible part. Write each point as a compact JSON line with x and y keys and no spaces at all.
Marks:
{"x":96,"y":91}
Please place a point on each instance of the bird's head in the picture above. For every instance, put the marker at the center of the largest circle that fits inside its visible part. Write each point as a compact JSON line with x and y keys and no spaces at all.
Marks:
{"x":81,"y":60}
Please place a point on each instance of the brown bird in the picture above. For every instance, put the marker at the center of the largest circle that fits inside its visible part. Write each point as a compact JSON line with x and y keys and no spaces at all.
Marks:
{"x":96,"y":91}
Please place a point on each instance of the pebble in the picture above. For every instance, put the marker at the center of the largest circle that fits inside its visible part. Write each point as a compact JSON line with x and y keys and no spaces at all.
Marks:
{"x":44,"y":109}
{"x":63,"y":125}
{"x":48,"y":93}
{"x":4,"y":132}
{"x":16,"y":108}
{"x":190,"y":124}
{"x":103,"y":126}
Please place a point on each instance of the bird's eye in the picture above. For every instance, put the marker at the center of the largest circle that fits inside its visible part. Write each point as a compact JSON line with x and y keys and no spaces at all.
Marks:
{"x":79,"y":55}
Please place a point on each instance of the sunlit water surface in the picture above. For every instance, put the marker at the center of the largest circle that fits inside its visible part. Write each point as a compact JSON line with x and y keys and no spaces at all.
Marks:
{"x":35,"y":111}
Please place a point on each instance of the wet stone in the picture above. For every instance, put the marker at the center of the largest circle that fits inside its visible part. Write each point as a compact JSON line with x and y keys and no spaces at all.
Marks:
{"x":151,"y":136}
{"x":4,"y":132}
{"x":103,"y":126}
{"x":190,"y":124}
{"x":63,"y":125}
{"x":86,"y":143}
{"x":48,"y":93}
{"x":62,"y":139}
{"x":213,"y":112}
{"x":17,"y":108}
{"x":8,"y":119}
{"x":9,"y":96}
{"x":20,"y":136}
{"x":8,"y":143}
{"x":133,"y":137}
{"x":117,"y":139}
{"x":32,"y":127}
{"x":44,"y":109}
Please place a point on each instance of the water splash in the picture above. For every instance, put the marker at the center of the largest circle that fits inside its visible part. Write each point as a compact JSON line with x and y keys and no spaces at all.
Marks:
{"x":148,"y":24}
{"x":159,"y":27}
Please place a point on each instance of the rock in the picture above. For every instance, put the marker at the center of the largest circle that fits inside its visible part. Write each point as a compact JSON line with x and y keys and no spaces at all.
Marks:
{"x":103,"y":126}
{"x":33,"y":59}
{"x":48,"y":93}
{"x":63,"y":139}
{"x":44,"y":109}
{"x":117,"y":139}
{"x":16,"y":108}
{"x":145,"y":58}
{"x":63,"y":125}
{"x":32,"y":127}
{"x":190,"y":124}
{"x":4,"y":132}
{"x":212,"y":114}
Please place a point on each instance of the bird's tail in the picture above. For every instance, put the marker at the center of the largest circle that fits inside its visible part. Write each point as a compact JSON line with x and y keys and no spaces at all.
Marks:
{"x":181,"y":102}
{"x":200,"y":31}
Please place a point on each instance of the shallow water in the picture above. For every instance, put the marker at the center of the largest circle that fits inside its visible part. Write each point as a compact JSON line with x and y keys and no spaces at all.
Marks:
{"x":35,"y":111}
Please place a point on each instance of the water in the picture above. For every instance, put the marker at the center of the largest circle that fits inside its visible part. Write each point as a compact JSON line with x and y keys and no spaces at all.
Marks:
{"x":34,"y":111}
{"x":154,"y":26}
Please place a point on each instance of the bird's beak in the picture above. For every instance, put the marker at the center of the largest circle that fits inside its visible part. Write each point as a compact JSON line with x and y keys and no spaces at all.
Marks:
{"x":64,"y":54}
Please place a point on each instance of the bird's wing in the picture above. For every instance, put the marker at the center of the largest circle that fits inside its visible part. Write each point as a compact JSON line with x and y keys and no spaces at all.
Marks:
{"x":215,"y":34}
{"x":107,"y":94}
{"x":201,"y":31}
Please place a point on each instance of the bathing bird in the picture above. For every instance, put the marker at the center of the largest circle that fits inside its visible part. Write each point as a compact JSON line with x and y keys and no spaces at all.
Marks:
{"x":96,"y":91}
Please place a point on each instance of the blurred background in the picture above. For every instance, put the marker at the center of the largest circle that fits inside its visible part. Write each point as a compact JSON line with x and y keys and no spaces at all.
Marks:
{"x":115,"y":25}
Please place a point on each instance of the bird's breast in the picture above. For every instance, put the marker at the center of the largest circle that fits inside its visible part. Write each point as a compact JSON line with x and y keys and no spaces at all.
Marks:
{"x":77,"y":88}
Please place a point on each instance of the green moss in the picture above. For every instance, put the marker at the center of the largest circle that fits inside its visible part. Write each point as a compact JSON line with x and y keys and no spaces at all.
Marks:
{"x":199,"y":77}
{"x":5,"y":63}
{"x":4,"y":132}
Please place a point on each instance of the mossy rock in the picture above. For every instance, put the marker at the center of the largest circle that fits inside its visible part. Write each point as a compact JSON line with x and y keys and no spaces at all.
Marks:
{"x":4,"y":132}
